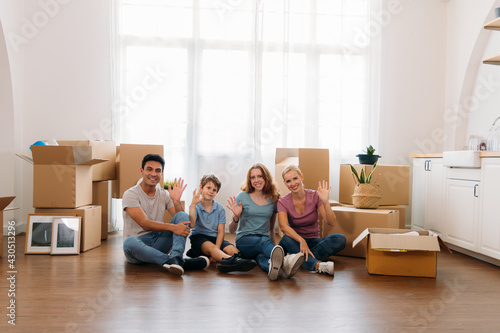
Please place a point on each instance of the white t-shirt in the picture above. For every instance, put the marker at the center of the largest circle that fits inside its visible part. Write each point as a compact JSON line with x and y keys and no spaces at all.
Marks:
{"x":154,"y":207}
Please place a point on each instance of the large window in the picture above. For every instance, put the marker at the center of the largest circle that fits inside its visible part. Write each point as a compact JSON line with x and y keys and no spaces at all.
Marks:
{"x":223,"y":83}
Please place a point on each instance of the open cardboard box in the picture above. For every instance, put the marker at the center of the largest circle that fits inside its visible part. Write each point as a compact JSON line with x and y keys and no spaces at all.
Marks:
{"x":393,"y":181}
{"x":4,"y":202}
{"x":128,"y":164}
{"x":62,"y":175}
{"x":105,"y":150}
{"x":313,"y":162}
{"x":390,"y":252}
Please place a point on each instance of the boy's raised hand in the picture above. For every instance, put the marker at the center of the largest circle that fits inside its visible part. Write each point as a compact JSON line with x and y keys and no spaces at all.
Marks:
{"x":176,"y":191}
{"x":234,"y":207}
{"x":196,"y":197}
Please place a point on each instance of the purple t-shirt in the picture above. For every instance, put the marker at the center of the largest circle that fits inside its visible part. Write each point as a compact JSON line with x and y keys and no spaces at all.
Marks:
{"x":306,"y":224}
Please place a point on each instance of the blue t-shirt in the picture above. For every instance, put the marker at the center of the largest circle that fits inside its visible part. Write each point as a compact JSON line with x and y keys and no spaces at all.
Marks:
{"x":254,"y":219}
{"x":207,"y":222}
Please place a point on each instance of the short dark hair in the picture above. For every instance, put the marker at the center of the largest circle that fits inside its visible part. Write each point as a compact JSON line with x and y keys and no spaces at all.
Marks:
{"x":210,"y":178}
{"x":153,"y":157}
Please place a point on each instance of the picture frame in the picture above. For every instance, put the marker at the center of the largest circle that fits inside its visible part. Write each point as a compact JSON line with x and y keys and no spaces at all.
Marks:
{"x":66,"y":235}
{"x":39,"y":234}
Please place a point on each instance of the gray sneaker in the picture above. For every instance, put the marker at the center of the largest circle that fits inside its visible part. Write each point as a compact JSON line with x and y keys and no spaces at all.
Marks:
{"x":275,"y":262}
{"x":292,"y":263}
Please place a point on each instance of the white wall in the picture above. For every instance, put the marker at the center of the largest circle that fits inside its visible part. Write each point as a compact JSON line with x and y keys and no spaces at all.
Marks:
{"x":465,"y":50}
{"x":10,"y":15}
{"x":412,"y":86}
{"x":61,"y":72}
{"x":484,"y":81}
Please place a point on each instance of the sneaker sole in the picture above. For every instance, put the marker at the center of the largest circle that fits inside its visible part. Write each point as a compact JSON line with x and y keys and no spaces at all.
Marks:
{"x":296,"y":267}
{"x":245,"y":267}
{"x":277,"y":256}
{"x":174,"y":269}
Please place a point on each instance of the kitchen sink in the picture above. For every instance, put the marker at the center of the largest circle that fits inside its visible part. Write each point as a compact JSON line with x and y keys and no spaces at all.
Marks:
{"x":462,"y":159}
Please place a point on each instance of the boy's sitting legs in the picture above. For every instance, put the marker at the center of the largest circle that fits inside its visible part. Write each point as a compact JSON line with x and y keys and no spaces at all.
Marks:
{"x":227,"y":258}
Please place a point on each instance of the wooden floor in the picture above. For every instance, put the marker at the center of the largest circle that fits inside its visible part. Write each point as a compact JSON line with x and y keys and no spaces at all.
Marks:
{"x":98,"y":291}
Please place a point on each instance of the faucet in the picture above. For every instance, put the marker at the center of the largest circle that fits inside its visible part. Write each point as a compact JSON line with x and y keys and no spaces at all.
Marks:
{"x":495,"y":121}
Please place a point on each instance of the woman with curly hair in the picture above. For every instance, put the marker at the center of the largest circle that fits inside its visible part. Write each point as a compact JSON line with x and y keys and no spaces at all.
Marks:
{"x":254,"y":217}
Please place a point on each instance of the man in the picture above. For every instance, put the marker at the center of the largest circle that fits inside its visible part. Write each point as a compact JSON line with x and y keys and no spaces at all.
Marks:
{"x":146,"y":238}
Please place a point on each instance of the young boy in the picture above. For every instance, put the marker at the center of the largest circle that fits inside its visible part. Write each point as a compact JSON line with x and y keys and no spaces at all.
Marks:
{"x":208,"y":219}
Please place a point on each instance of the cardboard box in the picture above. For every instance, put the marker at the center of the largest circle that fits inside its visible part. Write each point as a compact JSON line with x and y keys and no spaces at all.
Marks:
{"x":128,"y":164}
{"x":4,"y":202}
{"x":102,"y":194}
{"x":391,"y":254}
{"x":314,"y":164}
{"x":100,"y":150}
{"x":167,"y":218}
{"x":62,"y":175}
{"x":352,"y":221}
{"x":394,"y":181}
{"x":400,"y":209}
{"x":91,"y":224}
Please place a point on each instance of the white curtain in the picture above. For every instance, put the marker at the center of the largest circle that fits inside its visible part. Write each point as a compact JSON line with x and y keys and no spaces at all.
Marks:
{"x":223,"y":83}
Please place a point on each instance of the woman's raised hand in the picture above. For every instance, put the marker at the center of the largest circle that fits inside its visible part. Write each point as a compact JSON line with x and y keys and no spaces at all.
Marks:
{"x":323,"y":191}
{"x":234,"y":207}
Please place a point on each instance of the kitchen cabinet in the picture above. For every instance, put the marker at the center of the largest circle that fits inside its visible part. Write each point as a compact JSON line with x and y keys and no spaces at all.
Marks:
{"x":427,"y":194}
{"x":462,"y":207}
{"x":489,"y":232}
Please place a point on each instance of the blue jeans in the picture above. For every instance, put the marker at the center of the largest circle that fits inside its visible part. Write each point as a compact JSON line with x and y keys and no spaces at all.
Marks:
{"x":256,"y":247}
{"x":322,"y":248}
{"x":156,"y":247}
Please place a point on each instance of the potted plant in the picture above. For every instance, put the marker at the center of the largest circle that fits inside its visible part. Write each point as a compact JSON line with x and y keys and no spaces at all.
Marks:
{"x":369,"y":157}
{"x":366,"y":194}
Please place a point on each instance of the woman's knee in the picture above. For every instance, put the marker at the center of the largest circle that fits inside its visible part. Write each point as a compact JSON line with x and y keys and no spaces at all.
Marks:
{"x":338,"y":240}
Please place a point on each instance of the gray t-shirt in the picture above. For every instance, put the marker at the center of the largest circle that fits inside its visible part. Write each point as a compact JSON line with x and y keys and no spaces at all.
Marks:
{"x":154,"y":207}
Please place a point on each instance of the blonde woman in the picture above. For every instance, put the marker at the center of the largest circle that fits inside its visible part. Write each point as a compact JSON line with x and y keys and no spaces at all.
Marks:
{"x":298,"y":213}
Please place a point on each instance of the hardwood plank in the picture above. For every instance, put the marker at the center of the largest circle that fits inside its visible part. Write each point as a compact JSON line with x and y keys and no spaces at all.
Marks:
{"x":98,"y":291}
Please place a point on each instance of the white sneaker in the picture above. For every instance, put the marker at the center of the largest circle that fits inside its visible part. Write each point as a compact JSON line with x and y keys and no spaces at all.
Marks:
{"x":325,"y":268}
{"x":275,"y":262}
{"x":292,"y":263}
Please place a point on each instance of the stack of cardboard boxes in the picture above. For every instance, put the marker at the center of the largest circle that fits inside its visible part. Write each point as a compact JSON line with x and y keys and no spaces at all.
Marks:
{"x":80,"y":177}
{"x":394,"y":185}
{"x":63,"y":178}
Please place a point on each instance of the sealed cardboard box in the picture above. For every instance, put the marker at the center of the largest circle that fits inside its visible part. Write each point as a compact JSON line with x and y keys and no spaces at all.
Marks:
{"x":352,"y":221}
{"x":314,"y":164}
{"x":105,"y":150}
{"x":394,"y":182}
{"x":102,"y":194}
{"x":91,"y":224}
{"x":128,"y":164}
{"x":400,"y":209}
{"x":4,"y":202}
{"x":62,"y":176}
{"x":397,"y":252}
{"x":167,"y":218}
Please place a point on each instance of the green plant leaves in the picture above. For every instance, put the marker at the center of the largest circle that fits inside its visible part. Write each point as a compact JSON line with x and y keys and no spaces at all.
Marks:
{"x":362,"y":178}
{"x":370,"y":150}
